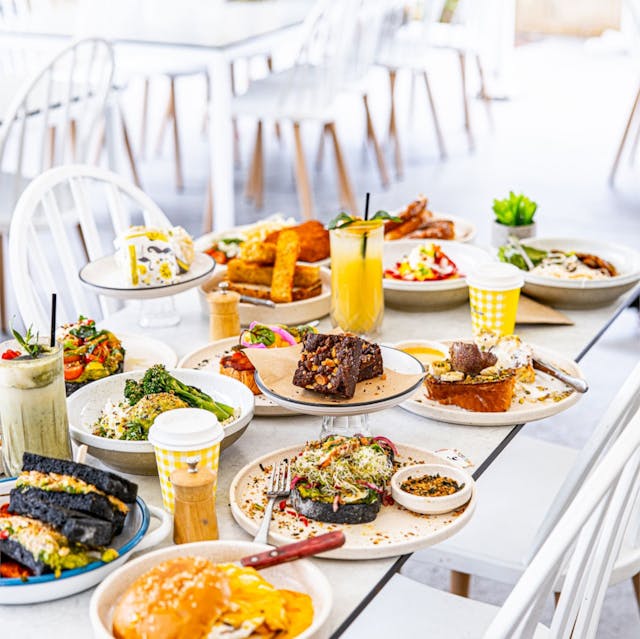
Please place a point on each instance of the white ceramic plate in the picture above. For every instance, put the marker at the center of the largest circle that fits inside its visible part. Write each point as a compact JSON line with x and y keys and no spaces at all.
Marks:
{"x":46,"y":587}
{"x":431,"y":295}
{"x":293,"y":313}
{"x":207,"y":358}
{"x":393,"y":359}
{"x":142,"y":352}
{"x":86,"y":404}
{"x":299,"y":575}
{"x":532,"y":411}
{"x":105,"y":277}
{"x":581,"y":293}
{"x":395,"y":531}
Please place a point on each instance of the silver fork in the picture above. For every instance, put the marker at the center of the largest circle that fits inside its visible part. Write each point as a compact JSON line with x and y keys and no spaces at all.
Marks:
{"x":278,"y":487}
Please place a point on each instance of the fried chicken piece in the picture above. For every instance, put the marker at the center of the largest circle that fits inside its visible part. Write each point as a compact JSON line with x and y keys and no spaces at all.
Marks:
{"x":314,"y":240}
{"x":595,"y":262}
{"x":435,"y":230}
{"x":416,"y":210}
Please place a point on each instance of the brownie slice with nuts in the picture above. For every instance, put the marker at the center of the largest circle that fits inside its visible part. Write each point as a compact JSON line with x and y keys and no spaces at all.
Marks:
{"x":329,"y":364}
{"x":370,"y":362}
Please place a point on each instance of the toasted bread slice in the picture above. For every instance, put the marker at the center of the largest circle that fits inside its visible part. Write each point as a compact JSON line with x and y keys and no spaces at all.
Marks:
{"x":260,"y":252}
{"x":241,"y":271}
{"x":298,"y":293}
{"x":483,"y":396}
{"x":287,"y":251}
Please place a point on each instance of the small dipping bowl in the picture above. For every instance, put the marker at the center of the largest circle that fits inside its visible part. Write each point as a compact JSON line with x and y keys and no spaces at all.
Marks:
{"x":432,"y":505}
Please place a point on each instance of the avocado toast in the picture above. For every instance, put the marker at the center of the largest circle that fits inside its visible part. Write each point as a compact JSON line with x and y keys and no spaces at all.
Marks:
{"x":342,"y":480}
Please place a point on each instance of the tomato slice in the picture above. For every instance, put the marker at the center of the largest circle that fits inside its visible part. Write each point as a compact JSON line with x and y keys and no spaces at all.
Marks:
{"x":73,"y":370}
{"x":68,"y":359}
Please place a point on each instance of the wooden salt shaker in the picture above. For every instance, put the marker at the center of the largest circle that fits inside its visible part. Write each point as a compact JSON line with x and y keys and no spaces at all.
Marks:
{"x":224,"y":316}
{"x":195,"y":504}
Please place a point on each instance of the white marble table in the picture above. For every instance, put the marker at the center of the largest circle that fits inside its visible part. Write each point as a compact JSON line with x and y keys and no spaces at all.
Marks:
{"x":352,"y":581}
{"x":222,"y":30}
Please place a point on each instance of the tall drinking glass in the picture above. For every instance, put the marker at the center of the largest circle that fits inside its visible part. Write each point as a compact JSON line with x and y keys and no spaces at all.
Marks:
{"x":357,"y":302}
{"x":33,"y":406}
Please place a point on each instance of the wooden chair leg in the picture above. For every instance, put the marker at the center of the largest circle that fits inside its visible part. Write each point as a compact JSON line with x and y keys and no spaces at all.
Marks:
{"x":371,"y":134}
{"x":634,"y":147}
{"x":166,"y":118}
{"x":436,"y":120}
{"x":556,"y":599}
{"x":207,"y":215}
{"x":346,"y":191}
{"x":465,"y":98}
{"x":4,"y":322}
{"x":483,"y":92}
{"x":636,"y":587}
{"x":73,"y":139}
{"x":52,"y":147}
{"x":259,"y":186}
{"x":250,"y":191}
{"x":129,"y":151}
{"x":393,"y":125}
{"x":176,"y":137}
{"x":623,"y":141}
{"x":83,"y":242}
{"x":142,"y":151}
{"x":459,"y":583}
{"x":302,"y":176}
{"x":320,"y":152}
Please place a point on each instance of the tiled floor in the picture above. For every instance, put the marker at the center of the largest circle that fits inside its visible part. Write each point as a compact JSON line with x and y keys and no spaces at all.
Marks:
{"x":554,"y":140}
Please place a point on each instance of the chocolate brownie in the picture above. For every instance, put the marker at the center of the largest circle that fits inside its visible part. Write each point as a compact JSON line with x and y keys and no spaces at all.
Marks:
{"x":370,"y":362}
{"x":329,"y":364}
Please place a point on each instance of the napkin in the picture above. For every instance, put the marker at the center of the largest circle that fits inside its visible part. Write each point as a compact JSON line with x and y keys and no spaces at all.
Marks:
{"x":532,"y":312}
{"x":277,"y":365}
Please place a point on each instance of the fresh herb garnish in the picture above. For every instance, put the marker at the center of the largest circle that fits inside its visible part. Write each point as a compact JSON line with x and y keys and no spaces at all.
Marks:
{"x":509,"y":254}
{"x":261,"y":335}
{"x":516,"y":210}
{"x":344,"y":219}
{"x":29,"y":342}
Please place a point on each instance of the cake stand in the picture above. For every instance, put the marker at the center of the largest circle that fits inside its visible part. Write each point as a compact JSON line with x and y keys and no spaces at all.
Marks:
{"x":157,"y":309}
{"x":350,"y":419}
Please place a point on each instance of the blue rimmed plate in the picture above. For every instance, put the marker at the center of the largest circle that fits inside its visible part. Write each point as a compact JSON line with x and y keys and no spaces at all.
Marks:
{"x":134,"y":536}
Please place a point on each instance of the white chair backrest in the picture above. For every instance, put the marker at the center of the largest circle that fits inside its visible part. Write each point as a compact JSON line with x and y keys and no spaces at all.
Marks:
{"x":71,"y":85}
{"x":583,"y":545}
{"x":340,"y":46}
{"x":46,"y":256}
{"x":613,"y":422}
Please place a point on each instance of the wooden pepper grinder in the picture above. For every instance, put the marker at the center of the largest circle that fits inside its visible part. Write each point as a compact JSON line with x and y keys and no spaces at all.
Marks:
{"x":224,"y":316}
{"x":195,"y":504}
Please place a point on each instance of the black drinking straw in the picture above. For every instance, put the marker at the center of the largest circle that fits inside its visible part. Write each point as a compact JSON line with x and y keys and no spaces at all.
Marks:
{"x":366,"y":217}
{"x":54,"y":301}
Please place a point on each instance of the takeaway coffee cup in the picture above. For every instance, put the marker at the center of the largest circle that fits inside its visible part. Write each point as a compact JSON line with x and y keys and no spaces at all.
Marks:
{"x":184,"y":435}
{"x":494,"y":290}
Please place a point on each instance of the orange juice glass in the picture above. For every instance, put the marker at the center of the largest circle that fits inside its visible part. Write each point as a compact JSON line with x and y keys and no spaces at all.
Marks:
{"x":357,"y":301}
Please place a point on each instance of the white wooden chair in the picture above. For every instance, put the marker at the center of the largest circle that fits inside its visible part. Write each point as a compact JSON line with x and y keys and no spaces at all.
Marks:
{"x":412,"y":48}
{"x":46,"y":256}
{"x":582,"y":547}
{"x":525,"y":492}
{"x":336,"y":44}
{"x":51,"y":118}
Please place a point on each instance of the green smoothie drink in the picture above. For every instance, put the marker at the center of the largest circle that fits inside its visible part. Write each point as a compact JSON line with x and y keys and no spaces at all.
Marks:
{"x":33,"y":406}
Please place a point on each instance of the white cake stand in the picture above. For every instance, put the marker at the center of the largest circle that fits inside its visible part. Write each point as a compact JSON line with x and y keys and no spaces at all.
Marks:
{"x":352,"y":419}
{"x":104,"y":276}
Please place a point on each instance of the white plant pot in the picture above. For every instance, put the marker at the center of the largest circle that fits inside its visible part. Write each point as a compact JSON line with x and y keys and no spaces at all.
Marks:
{"x":500,"y":232}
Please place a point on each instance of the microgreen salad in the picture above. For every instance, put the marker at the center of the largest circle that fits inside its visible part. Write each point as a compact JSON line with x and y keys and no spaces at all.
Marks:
{"x":425,"y":263}
{"x":273,"y":335}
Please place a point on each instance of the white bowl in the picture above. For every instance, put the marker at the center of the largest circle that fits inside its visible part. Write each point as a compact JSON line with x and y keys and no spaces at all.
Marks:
{"x":299,"y":575}
{"x":432,"y":505}
{"x":86,"y":404}
{"x":430,"y":295}
{"x":135,"y":537}
{"x":581,"y":293}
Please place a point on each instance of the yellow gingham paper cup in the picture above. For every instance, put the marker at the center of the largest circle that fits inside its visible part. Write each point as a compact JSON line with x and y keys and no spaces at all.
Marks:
{"x":180,"y":436}
{"x":494,"y":290}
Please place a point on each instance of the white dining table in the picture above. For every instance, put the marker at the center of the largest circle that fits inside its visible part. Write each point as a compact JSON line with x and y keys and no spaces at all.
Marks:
{"x":220,"y":31}
{"x":354,"y":583}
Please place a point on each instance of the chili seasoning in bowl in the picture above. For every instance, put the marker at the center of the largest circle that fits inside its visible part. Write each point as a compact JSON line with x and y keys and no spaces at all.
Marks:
{"x":431,"y":489}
